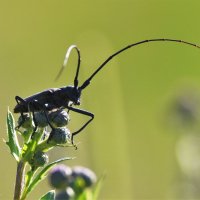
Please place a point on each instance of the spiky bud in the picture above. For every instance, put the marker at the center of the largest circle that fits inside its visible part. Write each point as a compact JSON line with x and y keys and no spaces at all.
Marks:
{"x":41,"y":119}
{"x":39,"y":159}
{"x":25,"y":121}
{"x":67,"y":194}
{"x":59,"y":118}
{"x":60,"y":176}
{"x":59,"y":136}
{"x":82,"y":178}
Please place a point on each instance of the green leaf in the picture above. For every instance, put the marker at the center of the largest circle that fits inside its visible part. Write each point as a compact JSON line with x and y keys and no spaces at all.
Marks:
{"x":49,"y":195}
{"x":85,"y":195}
{"x":28,"y":178}
{"x":29,"y":148}
{"x":91,"y":193}
{"x":12,"y":137}
{"x":43,"y":173}
{"x":97,"y":188}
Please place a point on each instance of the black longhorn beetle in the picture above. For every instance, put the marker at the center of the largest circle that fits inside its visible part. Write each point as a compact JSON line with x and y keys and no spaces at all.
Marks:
{"x":69,"y":96}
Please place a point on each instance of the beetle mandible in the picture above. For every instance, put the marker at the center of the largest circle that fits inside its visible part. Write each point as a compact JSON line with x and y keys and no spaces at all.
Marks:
{"x":69,"y":96}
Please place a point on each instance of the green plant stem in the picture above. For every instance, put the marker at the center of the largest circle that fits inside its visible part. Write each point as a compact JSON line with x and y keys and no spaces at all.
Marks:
{"x":20,"y":180}
{"x":29,"y":178}
{"x":44,"y":146}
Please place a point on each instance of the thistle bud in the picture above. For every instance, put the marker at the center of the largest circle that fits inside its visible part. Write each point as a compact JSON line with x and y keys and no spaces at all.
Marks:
{"x":59,"y":136}
{"x":82,"y":178}
{"x":59,"y":118}
{"x":39,"y":159}
{"x":25,"y":121}
{"x":41,"y":119}
{"x":60,"y":177}
{"x":67,"y":194}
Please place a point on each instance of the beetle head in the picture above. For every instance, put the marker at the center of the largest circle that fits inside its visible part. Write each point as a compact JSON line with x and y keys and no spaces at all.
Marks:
{"x":74,"y":94}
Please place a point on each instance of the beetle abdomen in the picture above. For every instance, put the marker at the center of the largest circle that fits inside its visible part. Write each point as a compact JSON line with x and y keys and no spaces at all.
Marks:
{"x":23,"y":108}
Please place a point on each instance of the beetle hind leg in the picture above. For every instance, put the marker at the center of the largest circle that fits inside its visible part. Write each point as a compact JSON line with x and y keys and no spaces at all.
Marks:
{"x":43,"y":109}
{"x":19,"y":101}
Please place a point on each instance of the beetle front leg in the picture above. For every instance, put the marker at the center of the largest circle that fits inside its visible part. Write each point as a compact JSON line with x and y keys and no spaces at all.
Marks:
{"x":84,"y":112}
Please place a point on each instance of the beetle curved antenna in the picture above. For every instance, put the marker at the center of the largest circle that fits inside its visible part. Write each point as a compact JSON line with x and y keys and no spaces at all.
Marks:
{"x":66,"y":61}
{"x":87,"y":82}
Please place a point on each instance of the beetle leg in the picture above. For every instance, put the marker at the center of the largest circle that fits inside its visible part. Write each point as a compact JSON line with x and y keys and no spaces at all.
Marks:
{"x":43,"y":109}
{"x":83,"y":112}
{"x":34,"y":119}
{"x":18,"y":100}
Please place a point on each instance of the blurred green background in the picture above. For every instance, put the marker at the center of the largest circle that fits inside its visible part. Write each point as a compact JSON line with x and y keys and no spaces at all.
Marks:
{"x":129,"y":139}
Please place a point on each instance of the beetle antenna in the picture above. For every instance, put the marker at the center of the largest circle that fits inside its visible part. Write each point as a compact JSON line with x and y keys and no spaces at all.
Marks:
{"x":87,"y":82}
{"x":66,"y":61}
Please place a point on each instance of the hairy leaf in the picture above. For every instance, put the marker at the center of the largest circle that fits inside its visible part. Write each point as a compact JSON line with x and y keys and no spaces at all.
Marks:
{"x":12,"y":137}
{"x":43,"y":173}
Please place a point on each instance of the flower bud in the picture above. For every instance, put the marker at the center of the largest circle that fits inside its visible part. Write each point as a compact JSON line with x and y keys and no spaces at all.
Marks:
{"x":39,"y":159}
{"x":82,"y":177}
{"x":67,"y":194}
{"x":59,"y":136}
{"x":41,"y":119}
{"x":60,"y":177}
{"x":25,"y":121}
{"x":59,"y":118}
